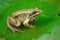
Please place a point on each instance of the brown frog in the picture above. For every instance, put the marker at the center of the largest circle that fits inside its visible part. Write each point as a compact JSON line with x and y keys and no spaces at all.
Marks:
{"x":22,"y":17}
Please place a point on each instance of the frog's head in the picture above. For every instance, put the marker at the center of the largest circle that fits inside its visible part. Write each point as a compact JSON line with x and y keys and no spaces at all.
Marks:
{"x":36,"y":12}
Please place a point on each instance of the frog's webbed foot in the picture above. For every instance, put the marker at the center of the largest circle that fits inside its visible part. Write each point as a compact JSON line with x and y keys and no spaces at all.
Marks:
{"x":26,"y":24}
{"x":32,"y":26}
{"x":16,"y":30}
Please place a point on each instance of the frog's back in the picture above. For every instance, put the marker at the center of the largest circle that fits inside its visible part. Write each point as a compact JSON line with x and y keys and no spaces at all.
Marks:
{"x":22,"y":17}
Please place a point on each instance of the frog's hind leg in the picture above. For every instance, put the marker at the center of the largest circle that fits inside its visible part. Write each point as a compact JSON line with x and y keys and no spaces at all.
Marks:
{"x":13,"y":21}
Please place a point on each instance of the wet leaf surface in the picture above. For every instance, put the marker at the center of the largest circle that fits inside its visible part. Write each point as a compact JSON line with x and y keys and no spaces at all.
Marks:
{"x":47,"y":21}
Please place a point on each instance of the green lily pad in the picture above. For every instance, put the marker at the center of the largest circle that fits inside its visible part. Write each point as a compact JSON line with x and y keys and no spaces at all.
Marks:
{"x":45,"y":23}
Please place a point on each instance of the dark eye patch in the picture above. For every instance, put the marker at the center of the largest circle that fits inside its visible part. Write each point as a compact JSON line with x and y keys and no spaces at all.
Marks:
{"x":34,"y":12}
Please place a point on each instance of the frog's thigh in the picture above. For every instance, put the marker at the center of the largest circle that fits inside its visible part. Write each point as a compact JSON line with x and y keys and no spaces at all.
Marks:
{"x":12,"y":20}
{"x":26,"y":24}
{"x":15,"y":22}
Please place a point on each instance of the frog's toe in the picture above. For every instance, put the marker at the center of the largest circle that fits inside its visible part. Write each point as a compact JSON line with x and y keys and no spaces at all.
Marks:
{"x":14,"y":30}
{"x":32,"y":26}
{"x":18,"y":30}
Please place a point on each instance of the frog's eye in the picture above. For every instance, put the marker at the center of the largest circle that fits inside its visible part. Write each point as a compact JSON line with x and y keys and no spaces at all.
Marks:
{"x":36,"y":8}
{"x":34,"y":12}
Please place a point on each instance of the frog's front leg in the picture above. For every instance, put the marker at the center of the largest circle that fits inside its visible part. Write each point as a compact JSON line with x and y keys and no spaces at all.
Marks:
{"x":33,"y":19}
{"x":12,"y":21}
{"x":26,"y":23}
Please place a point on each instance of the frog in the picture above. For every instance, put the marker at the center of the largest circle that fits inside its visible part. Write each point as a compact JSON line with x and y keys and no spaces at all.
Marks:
{"x":22,"y":17}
